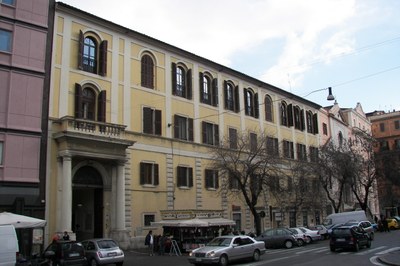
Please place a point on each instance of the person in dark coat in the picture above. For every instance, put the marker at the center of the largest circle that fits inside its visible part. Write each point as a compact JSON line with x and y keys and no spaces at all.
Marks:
{"x":149,"y":241}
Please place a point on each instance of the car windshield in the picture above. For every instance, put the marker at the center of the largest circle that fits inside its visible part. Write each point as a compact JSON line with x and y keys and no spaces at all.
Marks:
{"x":103,"y":244}
{"x":221,"y":241}
{"x":341,"y":232}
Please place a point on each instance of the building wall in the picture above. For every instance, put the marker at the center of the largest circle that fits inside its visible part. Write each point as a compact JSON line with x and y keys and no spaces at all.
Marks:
{"x":23,"y":101}
{"x":124,"y":104}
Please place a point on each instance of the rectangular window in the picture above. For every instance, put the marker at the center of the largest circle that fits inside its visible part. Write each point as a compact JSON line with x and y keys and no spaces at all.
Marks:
{"x":301,"y":152}
{"x":288,"y":151}
{"x":233,"y":138}
{"x":210,"y":134}
{"x":396,"y":146}
{"x":292,"y":219}
{"x":149,"y":174}
{"x":325,"y":129}
{"x":233,"y":183}
{"x":184,"y":176}
{"x":253,"y":142}
{"x":5,"y":40}
{"x":183,"y":128}
{"x":384,"y":146}
{"x":1,"y":153}
{"x":397,"y":124}
{"x":148,"y":219}
{"x":8,"y":2}
{"x":272,"y":146}
{"x":314,"y":154}
{"x":151,"y":121}
{"x":305,"y":219}
{"x":211,"y":179}
{"x":382,"y":127}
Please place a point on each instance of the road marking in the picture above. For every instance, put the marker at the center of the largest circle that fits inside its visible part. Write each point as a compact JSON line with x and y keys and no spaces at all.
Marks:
{"x":374,"y":260}
{"x":312,"y":250}
{"x":370,"y":250}
{"x":388,"y":250}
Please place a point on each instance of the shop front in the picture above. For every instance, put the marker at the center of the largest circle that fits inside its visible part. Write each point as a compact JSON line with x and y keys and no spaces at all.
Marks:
{"x":193,"y":228}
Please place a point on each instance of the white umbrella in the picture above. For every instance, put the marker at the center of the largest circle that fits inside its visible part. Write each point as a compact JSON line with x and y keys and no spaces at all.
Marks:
{"x":21,"y":221}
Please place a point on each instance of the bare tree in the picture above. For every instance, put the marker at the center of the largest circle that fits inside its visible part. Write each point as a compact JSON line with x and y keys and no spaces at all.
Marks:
{"x":335,"y":168}
{"x":247,"y":168}
{"x":363,"y":182}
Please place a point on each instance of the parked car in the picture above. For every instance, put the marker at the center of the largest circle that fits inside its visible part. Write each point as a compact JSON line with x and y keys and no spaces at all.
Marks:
{"x":397,"y":218}
{"x":323,"y":231}
{"x":101,"y":251}
{"x":311,"y":235}
{"x":366,"y":225}
{"x":349,"y":236}
{"x":224,"y":249}
{"x":299,"y":235}
{"x":278,"y":237}
{"x":392,"y":223}
{"x":65,"y":253}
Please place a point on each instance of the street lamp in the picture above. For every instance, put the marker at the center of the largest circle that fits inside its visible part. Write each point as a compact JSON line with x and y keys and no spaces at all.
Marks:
{"x":330,"y":96}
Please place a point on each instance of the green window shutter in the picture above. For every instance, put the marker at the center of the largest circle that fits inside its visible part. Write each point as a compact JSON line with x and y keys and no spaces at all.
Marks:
{"x":215,"y":92}
{"x":103,"y":58}
{"x":80,"y":50}
{"x":78,"y":100}
{"x":173,"y":78}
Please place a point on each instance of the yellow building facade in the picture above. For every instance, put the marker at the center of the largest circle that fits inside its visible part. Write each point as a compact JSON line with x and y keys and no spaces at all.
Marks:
{"x":131,"y":123}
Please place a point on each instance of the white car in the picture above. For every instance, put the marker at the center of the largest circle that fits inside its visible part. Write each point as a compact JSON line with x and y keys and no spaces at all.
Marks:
{"x":224,"y":249}
{"x":311,"y":235}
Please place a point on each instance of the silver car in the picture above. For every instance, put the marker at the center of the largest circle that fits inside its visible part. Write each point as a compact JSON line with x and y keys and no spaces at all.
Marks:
{"x":102,"y":251}
{"x":225,"y":249}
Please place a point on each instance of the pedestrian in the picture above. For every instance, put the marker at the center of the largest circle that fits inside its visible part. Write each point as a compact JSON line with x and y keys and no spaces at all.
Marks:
{"x":161,"y":243}
{"x":149,"y":241}
{"x":65,"y":236}
{"x":385,"y":225}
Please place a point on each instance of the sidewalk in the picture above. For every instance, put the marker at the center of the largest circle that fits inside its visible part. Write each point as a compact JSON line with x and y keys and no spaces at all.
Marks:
{"x":391,"y":258}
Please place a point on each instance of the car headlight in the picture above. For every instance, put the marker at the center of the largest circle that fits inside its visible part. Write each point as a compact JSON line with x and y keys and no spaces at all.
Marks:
{"x":211,"y":254}
{"x":191,"y":254}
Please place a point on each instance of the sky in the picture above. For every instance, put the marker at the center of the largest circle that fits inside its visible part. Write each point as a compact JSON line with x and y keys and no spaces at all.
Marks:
{"x":301,"y":46}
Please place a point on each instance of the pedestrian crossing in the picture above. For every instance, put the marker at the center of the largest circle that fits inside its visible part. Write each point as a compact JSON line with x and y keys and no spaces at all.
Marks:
{"x":380,"y":250}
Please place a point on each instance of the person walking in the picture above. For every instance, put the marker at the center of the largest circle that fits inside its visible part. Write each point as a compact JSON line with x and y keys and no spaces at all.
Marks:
{"x":149,"y":241}
{"x":162,"y":245}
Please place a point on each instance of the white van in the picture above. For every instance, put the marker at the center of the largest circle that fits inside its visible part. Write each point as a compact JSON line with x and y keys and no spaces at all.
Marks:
{"x":8,"y":245}
{"x":344,"y":217}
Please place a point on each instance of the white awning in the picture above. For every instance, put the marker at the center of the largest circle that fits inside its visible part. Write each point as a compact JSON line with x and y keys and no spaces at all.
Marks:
{"x":21,"y":221}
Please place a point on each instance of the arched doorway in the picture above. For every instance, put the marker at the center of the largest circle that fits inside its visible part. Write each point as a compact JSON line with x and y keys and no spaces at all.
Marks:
{"x":87,"y":203}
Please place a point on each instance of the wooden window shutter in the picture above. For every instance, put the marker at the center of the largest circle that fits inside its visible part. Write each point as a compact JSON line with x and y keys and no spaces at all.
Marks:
{"x":237,"y":104}
{"x":290,"y":115}
{"x":190,"y":170}
{"x":147,"y":120}
{"x":80,"y":50}
{"x":225,"y":94}
{"x":156,"y":178}
{"x":189,"y":84}
{"x":256,"y":106}
{"x":173,"y":78}
{"x":204,"y":131}
{"x":78,"y":100}
{"x":181,"y":176}
{"x":103,"y":58}
{"x":302,"y":121}
{"x":216,"y":179}
{"x":201,"y":87}
{"x":215,"y":92}
{"x":246,"y":104}
{"x":315,"y":122}
{"x":216,"y":135}
{"x":101,"y":107}
{"x":207,"y":179}
{"x":176,"y":126}
{"x":190,"y":128}
{"x":158,"y":123}
{"x":142,"y":171}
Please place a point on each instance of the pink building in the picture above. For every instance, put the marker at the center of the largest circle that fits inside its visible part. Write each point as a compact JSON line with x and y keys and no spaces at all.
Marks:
{"x":25,"y":52}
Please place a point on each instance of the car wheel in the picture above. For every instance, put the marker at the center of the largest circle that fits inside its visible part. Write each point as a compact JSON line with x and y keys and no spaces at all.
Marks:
{"x":256,"y":255}
{"x":93,"y":262}
{"x":356,"y":247}
{"x":308,"y":239}
{"x":368,"y":244}
{"x":288,"y":244}
{"x":371,"y":236}
{"x":300,"y":242}
{"x":223,"y":260}
{"x":333,"y":249}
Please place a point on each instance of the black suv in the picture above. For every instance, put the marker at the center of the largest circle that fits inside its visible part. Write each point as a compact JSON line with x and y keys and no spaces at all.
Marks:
{"x":66,"y":253}
{"x":349,"y":236}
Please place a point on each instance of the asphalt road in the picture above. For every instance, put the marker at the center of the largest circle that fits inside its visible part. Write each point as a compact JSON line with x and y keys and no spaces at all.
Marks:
{"x":314,"y":254}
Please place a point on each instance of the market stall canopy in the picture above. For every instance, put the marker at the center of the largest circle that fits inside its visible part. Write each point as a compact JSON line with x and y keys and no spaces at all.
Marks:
{"x":195,"y":222}
{"x":21,"y":221}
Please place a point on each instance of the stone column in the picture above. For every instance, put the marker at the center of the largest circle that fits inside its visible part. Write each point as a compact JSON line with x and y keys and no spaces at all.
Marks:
{"x":66,"y":195}
{"x":120,"y":206}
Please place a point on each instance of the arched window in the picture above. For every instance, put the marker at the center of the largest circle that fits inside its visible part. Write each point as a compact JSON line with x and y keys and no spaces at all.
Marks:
{"x":181,"y":81}
{"x":309,"y":118}
{"x":250,"y":103}
{"x":92,"y":54}
{"x":340,"y":138}
{"x":206,"y":91}
{"x":268,"y":108}
{"x":88,"y":103}
{"x":147,"y":72}
{"x":284,"y":118}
